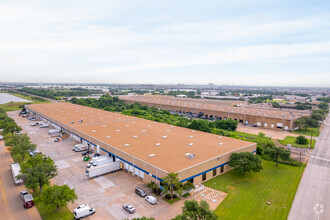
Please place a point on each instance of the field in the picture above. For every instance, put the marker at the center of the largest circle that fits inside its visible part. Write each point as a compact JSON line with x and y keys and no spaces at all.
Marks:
{"x":292,"y":140}
{"x":248,"y":195}
{"x":307,"y":132}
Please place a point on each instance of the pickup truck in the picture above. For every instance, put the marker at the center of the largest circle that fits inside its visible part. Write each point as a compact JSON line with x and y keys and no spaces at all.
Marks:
{"x":27,"y":199}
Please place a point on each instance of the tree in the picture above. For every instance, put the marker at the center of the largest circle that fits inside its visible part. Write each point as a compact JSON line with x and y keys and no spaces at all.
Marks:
{"x":323,"y":106}
{"x":11,"y":127}
{"x":171,"y":181}
{"x":59,"y":195}
{"x":301,"y":140}
{"x":277,"y":153}
{"x":192,"y":210}
{"x":276,"y":105}
{"x":245,"y":162}
{"x":22,"y":148}
{"x":300,"y":123}
{"x":37,"y":171}
{"x":317,"y":116}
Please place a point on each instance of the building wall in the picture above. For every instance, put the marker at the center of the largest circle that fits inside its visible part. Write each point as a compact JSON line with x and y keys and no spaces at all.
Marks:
{"x":242,"y":118}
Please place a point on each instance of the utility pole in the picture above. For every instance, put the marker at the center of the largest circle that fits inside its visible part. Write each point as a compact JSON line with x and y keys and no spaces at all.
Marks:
{"x":310,"y":144}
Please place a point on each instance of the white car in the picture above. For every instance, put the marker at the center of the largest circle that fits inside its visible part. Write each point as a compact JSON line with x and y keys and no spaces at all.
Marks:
{"x":152,"y":200}
{"x":1,"y":137}
{"x":83,"y":211}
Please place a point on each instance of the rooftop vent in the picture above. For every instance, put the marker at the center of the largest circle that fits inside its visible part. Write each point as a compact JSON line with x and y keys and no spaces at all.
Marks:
{"x":191,"y":156}
{"x":157,"y":144}
{"x":80,"y":120}
{"x":187,"y":154}
{"x":133,"y":121}
{"x":135,"y":136}
{"x":92,"y":121}
{"x":117,"y":130}
{"x":149,"y":126}
{"x":103,"y":125}
{"x":152,"y":155}
{"x":191,"y":136}
{"x":193,"y":131}
{"x":191,"y":144}
{"x":119,"y":118}
{"x":220,"y":143}
{"x":93,"y":131}
{"x":144,"y":130}
{"x":72,"y":122}
{"x":167,"y":130}
{"x":108,"y":137}
{"x":164,"y":136}
{"x":126,"y":125}
{"x":126,"y":145}
{"x":219,"y":137}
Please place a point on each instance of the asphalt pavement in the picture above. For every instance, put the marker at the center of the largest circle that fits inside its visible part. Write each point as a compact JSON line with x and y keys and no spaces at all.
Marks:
{"x":312,"y":200}
{"x":11,"y":205}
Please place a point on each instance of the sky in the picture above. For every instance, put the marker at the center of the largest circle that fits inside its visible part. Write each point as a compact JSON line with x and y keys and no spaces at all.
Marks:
{"x":225,"y":42}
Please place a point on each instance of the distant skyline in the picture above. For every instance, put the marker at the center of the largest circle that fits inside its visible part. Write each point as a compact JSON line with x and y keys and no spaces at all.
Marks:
{"x":250,"y":42}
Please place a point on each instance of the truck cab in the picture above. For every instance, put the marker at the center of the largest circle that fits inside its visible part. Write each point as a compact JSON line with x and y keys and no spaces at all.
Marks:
{"x":80,"y":147}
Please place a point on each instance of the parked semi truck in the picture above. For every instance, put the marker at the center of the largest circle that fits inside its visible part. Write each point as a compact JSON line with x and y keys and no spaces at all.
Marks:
{"x":103,"y":169}
{"x":99,"y":162}
{"x":54,"y":133}
{"x":16,"y":170}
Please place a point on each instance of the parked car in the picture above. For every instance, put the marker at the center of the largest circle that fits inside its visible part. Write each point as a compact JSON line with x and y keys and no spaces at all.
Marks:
{"x":86,"y":153}
{"x":19,"y":133}
{"x":1,"y":137}
{"x":57,"y":139}
{"x":83,"y":211}
{"x":140,"y":192}
{"x":96,"y":155}
{"x":152,"y":200}
{"x":27,"y":199}
{"x":129,"y":208}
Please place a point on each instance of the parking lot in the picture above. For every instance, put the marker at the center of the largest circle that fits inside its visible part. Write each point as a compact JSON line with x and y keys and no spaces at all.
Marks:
{"x":107,"y":193}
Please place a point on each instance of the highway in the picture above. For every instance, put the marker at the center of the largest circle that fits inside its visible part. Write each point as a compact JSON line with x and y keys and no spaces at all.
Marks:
{"x":312,"y":200}
{"x":11,"y":206}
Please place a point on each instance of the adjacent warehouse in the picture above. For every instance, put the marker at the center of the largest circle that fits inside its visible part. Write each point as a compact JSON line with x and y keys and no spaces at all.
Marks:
{"x":147,"y":149}
{"x":212,"y":109}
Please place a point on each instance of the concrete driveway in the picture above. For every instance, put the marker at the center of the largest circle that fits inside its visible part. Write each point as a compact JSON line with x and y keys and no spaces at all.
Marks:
{"x":108,"y":193}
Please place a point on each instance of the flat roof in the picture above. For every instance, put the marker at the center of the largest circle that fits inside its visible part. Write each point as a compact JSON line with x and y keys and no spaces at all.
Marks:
{"x":141,"y":138}
{"x":217,"y":105}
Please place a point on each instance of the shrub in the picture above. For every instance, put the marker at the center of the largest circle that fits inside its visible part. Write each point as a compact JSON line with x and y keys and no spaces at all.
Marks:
{"x":175,"y":196}
{"x":260,"y":150}
{"x":301,"y":140}
{"x":185,"y":195}
{"x":168,"y":196}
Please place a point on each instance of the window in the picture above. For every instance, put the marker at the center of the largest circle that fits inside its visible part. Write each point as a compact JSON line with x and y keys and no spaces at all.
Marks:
{"x":214,"y":172}
{"x":222,"y":169}
{"x":191,"y":180}
{"x":204,"y":177}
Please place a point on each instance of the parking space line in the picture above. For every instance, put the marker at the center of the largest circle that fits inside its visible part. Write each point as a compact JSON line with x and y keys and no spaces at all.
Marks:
{"x":3,"y":192}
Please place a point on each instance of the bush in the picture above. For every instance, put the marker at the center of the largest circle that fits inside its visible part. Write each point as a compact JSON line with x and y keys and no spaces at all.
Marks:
{"x":168,"y":196}
{"x":185,"y":195}
{"x":301,"y":140}
{"x":175,"y":196}
{"x":260,"y":150}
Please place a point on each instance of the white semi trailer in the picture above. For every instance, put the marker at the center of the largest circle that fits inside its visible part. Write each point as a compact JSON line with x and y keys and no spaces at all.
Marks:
{"x":16,"y":170}
{"x":103,"y":169}
{"x":99,"y":162}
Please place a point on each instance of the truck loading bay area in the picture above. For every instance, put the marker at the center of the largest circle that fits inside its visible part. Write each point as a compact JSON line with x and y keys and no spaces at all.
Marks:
{"x":107,"y":193}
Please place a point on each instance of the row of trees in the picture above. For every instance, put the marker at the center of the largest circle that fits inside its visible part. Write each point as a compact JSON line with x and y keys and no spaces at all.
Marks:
{"x":109,"y":103}
{"x":312,"y":120}
{"x":55,"y":93}
{"x":36,"y":171}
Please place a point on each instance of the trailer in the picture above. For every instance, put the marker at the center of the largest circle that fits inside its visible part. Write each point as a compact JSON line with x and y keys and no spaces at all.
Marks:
{"x":54,"y":133}
{"x":16,"y":170}
{"x":103,"y":169}
{"x":99,"y":162}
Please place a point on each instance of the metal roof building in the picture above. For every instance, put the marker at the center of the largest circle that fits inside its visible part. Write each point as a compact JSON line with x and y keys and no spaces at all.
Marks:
{"x":148,"y":149}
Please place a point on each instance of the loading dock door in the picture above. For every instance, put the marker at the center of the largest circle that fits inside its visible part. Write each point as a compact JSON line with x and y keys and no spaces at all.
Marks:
{"x":141,"y":175}
{"x":136,"y":172}
{"x":130,"y":168}
{"x":279,"y":125}
{"x":126,"y":166}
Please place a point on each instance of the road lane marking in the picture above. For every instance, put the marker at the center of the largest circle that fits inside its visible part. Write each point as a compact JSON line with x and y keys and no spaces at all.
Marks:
{"x":3,"y":192}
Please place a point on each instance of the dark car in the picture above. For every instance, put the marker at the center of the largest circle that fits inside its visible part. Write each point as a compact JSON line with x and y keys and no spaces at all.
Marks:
{"x":27,"y":199}
{"x":129,"y":208}
{"x":86,"y":153}
{"x":140,"y":192}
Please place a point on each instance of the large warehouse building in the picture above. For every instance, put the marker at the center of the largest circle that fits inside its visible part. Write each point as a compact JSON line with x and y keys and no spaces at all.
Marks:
{"x":212,"y":109}
{"x":147,"y":149}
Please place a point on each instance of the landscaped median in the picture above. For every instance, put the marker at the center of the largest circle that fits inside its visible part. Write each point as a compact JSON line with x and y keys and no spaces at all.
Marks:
{"x":249,"y":194}
{"x":292,"y":140}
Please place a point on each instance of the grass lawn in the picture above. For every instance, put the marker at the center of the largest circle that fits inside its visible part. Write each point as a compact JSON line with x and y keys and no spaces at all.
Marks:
{"x":171,"y":201}
{"x":292,"y":141}
{"x":248,"y":194}
{"x":307,"y":132}
{"x":48,"y":212}
{"x":246,"y":135}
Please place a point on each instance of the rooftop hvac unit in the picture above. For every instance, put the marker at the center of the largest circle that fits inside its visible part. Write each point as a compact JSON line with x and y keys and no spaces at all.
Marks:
{"x":191,"y":156}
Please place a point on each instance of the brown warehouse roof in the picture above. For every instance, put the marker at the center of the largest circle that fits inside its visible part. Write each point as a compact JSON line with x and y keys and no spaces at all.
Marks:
{"x":215,"y":105}
{"x":162,"y":145}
